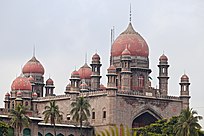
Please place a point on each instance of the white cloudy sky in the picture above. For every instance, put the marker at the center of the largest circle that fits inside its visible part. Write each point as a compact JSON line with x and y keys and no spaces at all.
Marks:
{"x":64,"y":30}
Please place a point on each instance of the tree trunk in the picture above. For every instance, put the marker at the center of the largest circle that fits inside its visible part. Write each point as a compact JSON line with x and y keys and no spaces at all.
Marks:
{"x":80,"y":127}
{"x":54,"y":129}
{"x":18,"y":131}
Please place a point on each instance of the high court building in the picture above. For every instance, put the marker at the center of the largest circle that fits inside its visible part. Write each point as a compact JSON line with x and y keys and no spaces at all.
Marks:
{"x":128,"y":97}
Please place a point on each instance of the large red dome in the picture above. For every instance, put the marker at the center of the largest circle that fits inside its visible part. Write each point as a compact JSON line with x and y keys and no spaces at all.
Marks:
{"x":21,"y":83}
{"x":85,"y":72}
{"x":33,"y":66}
{"x":133,"y":40}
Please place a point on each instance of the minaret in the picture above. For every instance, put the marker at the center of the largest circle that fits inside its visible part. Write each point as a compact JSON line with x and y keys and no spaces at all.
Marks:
{"x":75,"y":80}
{"x":95,"y":76}
{"x":49,"y":87}
{"x":111,"y":77}
{"x":18,"y":99}
{"x":184,"y":92}
{"x":34,"y":106}
{"x":111,"y":85}
{"x":7,"y":101}
{"x":163,"y":75}
{"x":126,"y":71}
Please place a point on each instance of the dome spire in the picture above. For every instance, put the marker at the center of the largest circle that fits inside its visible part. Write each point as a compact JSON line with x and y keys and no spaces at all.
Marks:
{"x":86,"y":58}
{"x":34,"y":50}
{"x":130,"y":13}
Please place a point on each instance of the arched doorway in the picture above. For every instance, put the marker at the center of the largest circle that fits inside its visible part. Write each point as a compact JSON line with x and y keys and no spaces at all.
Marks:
{"x":39,"y":134}
{"x":71,"y":135}
{"x":49,"y":134}
{"x":144,"y":119}
{"x":26,"y":132}
{"x":60,"y":134}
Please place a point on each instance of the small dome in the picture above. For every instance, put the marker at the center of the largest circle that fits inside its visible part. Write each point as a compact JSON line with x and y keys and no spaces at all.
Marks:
{"x":68,"y":86}
{"x":34,"y":94}
{"x":21,"y":83}
{"x":83,"y":85}
{"x":31,"y":79}
{"x":102,"y":87}
{"x":19,"y":93}
{"x":85,"y":72}
{"x":49,"y":82}
{"x":7,"y":94}
{"x":137,"y":45}
{"x":75,"y":73}
{"x":163,"y":58}
{"x":126,"y":52}
{"x":96,"y":57}
{"x":184,"y":78}
{"x":33,"y":66}
{"x":112,"y":67}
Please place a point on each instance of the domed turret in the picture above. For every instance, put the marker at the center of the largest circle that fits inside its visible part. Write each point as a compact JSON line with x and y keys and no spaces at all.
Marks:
{"x":34,"y":95}
{"x":85,"y":72}
{"x":7,"y":94}
{"x":137,"y":45}
{"x":19,"y":94}
{"x":184,"y":78}
{"x":185,"y":90}
{"x":21,"y":83}
{"x":31,"y":79}
{"x":111,"y":69}
{"x":33,"y":66}
{"x":49,"y":87}
{"x":49,"y":82}
{"x":102,"y":87}
{"x":75,"y":74}
{"x":126,"y":52}
{"x":163,"y":59}
{"x":96,"y":57}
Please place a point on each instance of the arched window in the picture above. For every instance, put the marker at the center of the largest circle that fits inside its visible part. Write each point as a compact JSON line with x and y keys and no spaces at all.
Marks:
{"x":26,"y":103}
{"x":60,"y":134}
{"x":141,"y":81}
{"x":49,"y":134}
{"x":93,"y":114}
{"x":104,"y":113}
{"x":26,"y":132}
{"x":39,"y":134}
{"x":68,"y":117}
{"x":12,"y":104}
{"x":163,"y":70}
{"x":184,"y":88}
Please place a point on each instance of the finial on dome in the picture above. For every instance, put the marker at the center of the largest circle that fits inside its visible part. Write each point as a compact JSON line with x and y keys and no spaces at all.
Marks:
{"x":34,"y":50}
{"x":86,"y":57}
{"x":130,"y":13}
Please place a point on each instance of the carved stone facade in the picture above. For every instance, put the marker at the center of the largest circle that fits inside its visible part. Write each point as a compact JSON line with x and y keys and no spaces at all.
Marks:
{"x":128,"y":99}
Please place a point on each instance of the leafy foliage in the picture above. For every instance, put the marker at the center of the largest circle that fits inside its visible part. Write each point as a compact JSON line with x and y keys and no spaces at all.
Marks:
{"x":80,"y":110}
{"x":19,"y":119}
{"x":52,"y":114}
{"x":3,"y":128}
{"x":187,"y":124}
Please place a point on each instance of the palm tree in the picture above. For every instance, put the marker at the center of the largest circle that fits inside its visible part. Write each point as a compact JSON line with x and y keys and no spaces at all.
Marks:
{"x":80,"y":111}
{"x":52,"y":114}
{"x":187,"y":124}
{"x":19,"y":119}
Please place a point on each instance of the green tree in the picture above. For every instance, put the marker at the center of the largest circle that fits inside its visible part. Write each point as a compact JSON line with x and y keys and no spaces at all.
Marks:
{"x":52,"y":114}
{"x":19,"y":119}
{"x":80,"y":111}
{"x":3,"y":128}
{"x":187,"y":124}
